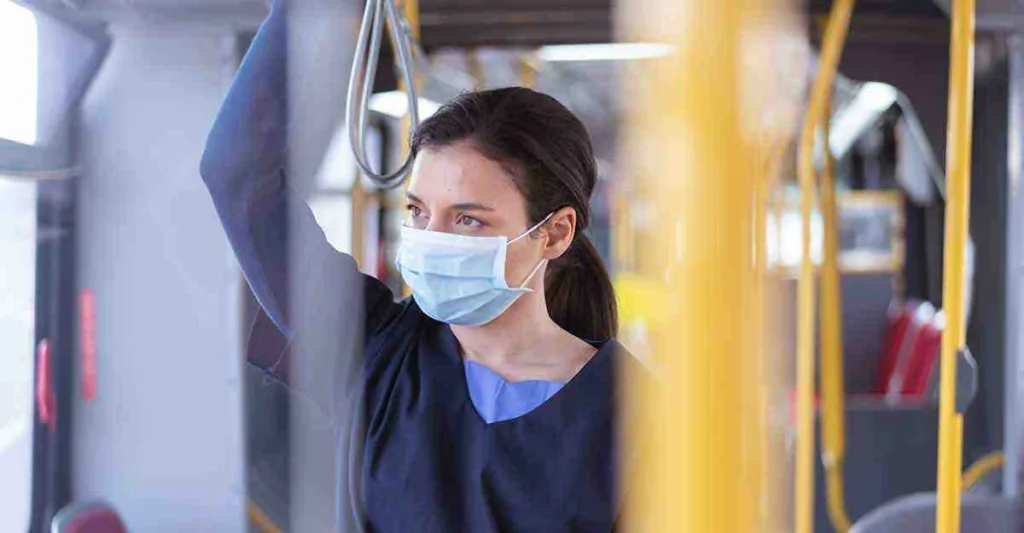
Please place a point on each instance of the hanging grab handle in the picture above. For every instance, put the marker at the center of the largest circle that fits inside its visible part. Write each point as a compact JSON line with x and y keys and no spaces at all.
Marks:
{"x":360,"y":84}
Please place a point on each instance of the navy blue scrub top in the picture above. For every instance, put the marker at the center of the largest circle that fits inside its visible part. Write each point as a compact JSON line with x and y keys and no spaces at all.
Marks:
{"x":422,"y":460}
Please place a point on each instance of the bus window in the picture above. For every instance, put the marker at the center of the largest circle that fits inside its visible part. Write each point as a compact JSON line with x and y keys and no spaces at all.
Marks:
{"x":17,"y":316}
{"x":18,"y":93}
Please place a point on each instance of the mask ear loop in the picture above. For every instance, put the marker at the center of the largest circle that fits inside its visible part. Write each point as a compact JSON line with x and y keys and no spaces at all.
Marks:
{"x":531,"y":230}
{"x":522,"y":286}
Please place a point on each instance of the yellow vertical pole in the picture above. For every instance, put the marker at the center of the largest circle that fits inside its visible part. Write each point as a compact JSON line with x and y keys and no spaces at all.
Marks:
{"x":412,"y":16}
{"x":828,"y":63}
{"x":475,"y":68}
{"x":695,"y":155}
{"x":527,"y":72}
{"x":759,"y":473}
{"x":958,"y":187}
{"x":804,"y":483}
{"x":767,"y":459}
{"x":773,"y":512}
{"x":833,"y":422}
{"x":411,"y":10}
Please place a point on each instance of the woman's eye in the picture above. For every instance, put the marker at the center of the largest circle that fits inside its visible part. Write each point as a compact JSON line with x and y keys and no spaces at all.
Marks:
{"x":468,"y":221}
{"x":415,"y":212}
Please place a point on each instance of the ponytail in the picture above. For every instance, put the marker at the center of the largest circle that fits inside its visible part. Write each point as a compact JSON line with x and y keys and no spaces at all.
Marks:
{"x":579,"y":293}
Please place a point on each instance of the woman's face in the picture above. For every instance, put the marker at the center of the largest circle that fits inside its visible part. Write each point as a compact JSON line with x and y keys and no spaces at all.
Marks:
{"x":455,"y":189}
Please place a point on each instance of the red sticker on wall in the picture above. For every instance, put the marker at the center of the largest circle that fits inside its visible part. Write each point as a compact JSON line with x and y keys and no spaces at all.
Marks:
{"x":46,"y":404}
{"x":87,"y":312}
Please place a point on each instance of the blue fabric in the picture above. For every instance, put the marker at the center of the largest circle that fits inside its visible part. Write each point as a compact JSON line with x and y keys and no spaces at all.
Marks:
{"x":421,"y":457}
{"x":496,"y":399}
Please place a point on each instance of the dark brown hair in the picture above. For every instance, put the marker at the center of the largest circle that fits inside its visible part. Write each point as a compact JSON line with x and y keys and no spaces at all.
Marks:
{"x":549,"y":154}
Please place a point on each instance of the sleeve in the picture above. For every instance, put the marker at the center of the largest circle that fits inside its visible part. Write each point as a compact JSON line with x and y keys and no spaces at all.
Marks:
{"x":244,"y":167}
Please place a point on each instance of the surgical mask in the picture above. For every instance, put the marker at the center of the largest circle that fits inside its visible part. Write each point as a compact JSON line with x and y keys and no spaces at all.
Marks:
{"x":460,"y":279}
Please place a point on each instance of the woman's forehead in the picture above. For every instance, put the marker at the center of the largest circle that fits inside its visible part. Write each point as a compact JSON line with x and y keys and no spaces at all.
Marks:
{"x":458,"y":175}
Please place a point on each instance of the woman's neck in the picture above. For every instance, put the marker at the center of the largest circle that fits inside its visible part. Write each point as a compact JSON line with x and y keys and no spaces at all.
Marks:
{"x":524,"y":343}
{"x":511,"y":336}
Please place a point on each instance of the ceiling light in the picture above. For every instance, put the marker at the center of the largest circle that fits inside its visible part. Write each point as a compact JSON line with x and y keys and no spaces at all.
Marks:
{"x":396,"y":104}
{"x":602,"y":52}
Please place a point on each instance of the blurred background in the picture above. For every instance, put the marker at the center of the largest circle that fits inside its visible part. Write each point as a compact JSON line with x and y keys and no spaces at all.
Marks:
{"x":124,"y":317}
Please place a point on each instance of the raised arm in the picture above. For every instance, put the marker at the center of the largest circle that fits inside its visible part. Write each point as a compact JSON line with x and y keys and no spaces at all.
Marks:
{"x":244,"y":162}
{"x":244,"y":167}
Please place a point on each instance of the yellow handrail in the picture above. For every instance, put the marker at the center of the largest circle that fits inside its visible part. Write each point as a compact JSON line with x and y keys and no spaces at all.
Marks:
{"x":831,"y":50}
{"x":411,"y":9}
{"x":981,"y":468}
{"x":833,"y":415}
{"x":260,"y":519}
{"x":958,"y":161}
{"x":475,"y":68}
{"x":527,"y":72}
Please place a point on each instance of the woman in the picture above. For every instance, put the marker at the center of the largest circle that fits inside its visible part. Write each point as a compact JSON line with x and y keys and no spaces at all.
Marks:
{"x":487,"y":398}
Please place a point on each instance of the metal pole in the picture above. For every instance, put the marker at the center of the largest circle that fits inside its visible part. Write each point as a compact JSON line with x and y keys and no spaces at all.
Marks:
{"x":695,"y":156}
{"x":833,"y":412}
{"x":828,"y":63}
{"x":1014,"y":270}
{"x":958,"y":164}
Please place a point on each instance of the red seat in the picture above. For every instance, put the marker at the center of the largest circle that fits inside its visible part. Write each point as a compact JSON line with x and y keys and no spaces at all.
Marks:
{"x":922,"y":358}
{"x":95,"y":517}
{"x":906,"y":320}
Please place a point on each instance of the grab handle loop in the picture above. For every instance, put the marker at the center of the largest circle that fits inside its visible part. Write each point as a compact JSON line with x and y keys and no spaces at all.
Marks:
{"x":360,"y":86}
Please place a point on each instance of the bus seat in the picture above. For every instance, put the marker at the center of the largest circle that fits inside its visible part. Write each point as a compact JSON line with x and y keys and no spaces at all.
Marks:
{"x":906,"y":321}
{"x":896,"y":329}
{"x":921,"y":366}
{"x":916,"y":514}
{"x":891,"y":452}
{"x":91,"y":517}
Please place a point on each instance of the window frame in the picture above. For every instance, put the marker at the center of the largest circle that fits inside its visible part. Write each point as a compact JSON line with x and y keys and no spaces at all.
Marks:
{"x":56,"y":311}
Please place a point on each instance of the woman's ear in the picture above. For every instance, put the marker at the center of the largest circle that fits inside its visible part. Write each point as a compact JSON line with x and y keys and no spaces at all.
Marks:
{"x":560,"y":231}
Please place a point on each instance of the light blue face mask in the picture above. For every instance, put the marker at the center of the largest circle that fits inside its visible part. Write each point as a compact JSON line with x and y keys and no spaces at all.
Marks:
{"x":459,"y":279}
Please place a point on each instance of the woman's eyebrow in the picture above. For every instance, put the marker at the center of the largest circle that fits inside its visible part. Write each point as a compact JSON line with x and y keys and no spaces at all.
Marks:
{"x":463,"y":206}
{"x":471,"y":206}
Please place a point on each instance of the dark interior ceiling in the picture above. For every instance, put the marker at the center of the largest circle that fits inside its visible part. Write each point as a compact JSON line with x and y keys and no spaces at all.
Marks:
{"x":885,"y":7}
{"x":467,"y":23}
{"x":471,"y":23}
{"x":530,"y":23}
{"x":887,"y":22}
